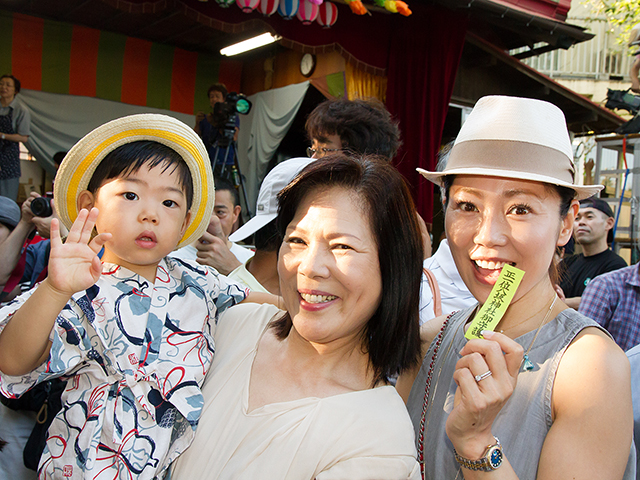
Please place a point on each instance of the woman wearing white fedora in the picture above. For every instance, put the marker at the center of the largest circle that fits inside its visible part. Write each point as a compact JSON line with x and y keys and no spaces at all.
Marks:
{"x":546,"y":395}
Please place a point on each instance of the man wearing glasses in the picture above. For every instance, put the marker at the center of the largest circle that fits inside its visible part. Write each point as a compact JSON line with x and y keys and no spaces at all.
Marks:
{"x":359,"y":126}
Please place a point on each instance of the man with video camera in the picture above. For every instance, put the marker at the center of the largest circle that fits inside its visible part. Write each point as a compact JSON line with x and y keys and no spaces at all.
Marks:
{"x":217,"y":135}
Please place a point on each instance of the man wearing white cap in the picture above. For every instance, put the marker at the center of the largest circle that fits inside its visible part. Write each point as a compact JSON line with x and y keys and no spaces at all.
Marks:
{"x":260,"y":272}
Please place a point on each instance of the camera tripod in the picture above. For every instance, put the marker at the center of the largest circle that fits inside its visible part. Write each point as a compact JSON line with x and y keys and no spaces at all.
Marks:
{"x":235,"y":175}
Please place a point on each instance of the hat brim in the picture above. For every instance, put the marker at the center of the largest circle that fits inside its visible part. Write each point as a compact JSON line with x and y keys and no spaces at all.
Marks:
{"x":252,"y":226}
{"x":80,"y":163}
{"x":582,"y":191}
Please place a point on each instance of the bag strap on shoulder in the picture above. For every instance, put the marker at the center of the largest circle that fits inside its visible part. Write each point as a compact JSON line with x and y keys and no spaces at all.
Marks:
{"x":435,"y":291}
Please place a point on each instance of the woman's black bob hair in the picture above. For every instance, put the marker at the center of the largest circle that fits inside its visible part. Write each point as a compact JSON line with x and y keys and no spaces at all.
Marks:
{"x":391,"y":337}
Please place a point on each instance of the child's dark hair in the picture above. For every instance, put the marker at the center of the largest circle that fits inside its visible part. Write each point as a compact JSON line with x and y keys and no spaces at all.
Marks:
{"x":128,"y":158}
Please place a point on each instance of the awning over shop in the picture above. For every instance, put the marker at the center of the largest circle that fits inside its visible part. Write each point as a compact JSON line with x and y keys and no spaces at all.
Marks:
{"x":487,"y":70}
{"x":519,"y":23}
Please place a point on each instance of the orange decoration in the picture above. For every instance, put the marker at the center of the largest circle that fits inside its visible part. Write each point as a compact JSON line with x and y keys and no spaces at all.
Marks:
{"x":403,"y":8}
{"x":357,"y":7}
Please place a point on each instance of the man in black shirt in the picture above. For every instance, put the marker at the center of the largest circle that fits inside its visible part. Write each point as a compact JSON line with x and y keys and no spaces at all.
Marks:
{"x":592,"y":230}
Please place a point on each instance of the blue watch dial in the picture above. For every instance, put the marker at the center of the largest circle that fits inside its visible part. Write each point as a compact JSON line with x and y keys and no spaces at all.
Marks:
{"x":495,"y":457}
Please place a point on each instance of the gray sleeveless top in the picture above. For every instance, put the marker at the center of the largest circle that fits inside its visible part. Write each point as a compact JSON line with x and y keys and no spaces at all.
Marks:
{"x":523,"y":422}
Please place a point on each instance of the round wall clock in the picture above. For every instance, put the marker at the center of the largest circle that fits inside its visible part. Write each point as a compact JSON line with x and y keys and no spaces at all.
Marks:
{"x":307,"y":64}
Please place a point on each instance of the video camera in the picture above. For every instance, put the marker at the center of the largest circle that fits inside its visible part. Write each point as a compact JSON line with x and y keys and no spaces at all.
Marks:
{"x":624,"y":100}
{"x":225,"y":114}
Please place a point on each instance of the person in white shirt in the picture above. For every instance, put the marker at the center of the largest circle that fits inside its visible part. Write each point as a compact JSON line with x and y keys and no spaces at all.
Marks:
{"x":454,"y":294}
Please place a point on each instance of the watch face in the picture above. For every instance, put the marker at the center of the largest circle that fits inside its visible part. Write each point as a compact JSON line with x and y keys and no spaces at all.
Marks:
{"x":495,"y":457}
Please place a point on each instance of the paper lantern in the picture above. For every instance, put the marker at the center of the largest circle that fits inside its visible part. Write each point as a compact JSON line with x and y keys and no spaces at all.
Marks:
{"x":288,"y":8}
{"x":307,"y":12}
{"x":327,"y":14}
{"x":268,"y":7}
{"x":317,"y":2}
{"x":247,"y":6}
{"x":225,"y":3}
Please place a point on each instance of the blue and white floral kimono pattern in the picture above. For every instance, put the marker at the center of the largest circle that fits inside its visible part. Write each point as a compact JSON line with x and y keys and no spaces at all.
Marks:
{"x":136,"y":354}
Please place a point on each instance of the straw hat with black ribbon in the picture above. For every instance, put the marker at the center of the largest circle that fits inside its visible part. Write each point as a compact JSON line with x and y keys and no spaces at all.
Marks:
{"x":513,"y":137}
{"x":80,"y":163}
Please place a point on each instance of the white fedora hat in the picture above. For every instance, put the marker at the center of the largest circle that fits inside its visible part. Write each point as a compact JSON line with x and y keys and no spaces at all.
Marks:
{"x":80,"y":163}
{"x":514,"y":137}
{"x":267,"y":207}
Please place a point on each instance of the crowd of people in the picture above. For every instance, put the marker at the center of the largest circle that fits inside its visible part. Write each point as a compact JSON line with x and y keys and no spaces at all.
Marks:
{"x":338,"y":346}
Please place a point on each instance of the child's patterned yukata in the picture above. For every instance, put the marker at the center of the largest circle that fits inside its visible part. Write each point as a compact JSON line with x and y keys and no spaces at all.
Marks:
{"x":136,"y":355}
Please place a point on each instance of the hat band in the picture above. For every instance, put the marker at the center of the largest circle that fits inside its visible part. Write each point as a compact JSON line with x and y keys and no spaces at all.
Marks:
{"x":510,"y":155}
{"x":173,"y":140}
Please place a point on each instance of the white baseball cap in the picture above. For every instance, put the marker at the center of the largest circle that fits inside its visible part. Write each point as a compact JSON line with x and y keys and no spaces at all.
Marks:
{"x":267,"y":207}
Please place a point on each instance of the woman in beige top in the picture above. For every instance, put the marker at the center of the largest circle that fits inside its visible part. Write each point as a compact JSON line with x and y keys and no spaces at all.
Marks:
{"x":304,"y":394}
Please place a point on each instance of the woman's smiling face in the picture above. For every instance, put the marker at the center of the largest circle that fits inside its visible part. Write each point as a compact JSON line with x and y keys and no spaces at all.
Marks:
{"x":329,"y":270}
{"x":491,"y":221}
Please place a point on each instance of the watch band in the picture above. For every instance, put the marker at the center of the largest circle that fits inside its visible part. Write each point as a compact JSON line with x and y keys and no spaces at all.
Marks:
{"x":491,"y":458}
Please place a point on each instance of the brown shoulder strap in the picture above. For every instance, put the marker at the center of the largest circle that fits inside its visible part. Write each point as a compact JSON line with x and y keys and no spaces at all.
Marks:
{"x":435,"y":291}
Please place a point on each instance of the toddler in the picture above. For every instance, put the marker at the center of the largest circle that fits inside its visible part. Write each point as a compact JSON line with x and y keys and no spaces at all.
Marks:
{"x":133,"y":332}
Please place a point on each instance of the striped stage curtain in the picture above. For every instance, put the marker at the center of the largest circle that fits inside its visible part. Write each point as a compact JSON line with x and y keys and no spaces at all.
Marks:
{"x":58,"y":57}
{"x":361,"y":84}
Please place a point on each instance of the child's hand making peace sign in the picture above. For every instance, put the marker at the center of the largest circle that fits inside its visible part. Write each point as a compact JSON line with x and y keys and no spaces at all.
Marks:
{"x":74,"y":265}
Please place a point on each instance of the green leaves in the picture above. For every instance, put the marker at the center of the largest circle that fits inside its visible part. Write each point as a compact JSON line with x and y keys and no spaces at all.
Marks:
{"x":624,"y":14}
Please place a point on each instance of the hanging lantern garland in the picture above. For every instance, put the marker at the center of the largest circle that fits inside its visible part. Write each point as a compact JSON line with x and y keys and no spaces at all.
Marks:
{"x":327,"y":14}
{"x":288,"y":8}
{"x":323,"y":12}
{"x":268,"y":7}
{"x":307,"y":12}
